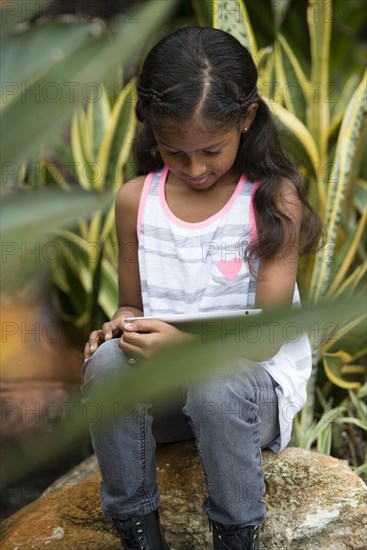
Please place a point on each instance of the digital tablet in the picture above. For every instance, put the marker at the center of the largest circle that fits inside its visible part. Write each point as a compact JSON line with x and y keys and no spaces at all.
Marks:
{"x":198,"y":317}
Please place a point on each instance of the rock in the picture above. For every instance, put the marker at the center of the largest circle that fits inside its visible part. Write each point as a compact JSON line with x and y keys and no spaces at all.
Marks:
{"x":314,"y":501}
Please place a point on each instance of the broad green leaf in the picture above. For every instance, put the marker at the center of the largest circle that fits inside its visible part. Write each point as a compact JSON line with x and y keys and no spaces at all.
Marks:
{"x":29,"y":55}
{"x":27,"y":123}
{"x":17,"y":13}
{"x":296,"y":138}
{"x":27,"y":221}
{"x":231,"y":16}
{"x":31,"y":216}
{"x":344,"y":156}
{"x":178,"y":366}
{"x":118,"y":138}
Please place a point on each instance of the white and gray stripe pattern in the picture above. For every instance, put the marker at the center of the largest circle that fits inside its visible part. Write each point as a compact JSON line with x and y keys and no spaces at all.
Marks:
{"x":191,"y":267}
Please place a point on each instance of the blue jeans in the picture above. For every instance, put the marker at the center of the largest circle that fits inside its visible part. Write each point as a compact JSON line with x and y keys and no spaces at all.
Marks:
{"x":232,"y":415}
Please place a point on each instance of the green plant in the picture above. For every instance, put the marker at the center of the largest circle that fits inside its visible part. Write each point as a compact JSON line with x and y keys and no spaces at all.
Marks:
{"x":63,"y":59}
{"x":101,"y":138}
{"x":323,"y":129}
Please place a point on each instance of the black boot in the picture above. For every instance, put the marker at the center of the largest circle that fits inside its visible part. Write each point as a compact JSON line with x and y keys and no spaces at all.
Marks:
{"x":237,"y":538}
{"x":141,"y":532}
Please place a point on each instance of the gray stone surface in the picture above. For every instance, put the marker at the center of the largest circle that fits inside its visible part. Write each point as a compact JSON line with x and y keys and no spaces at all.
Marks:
{"x":314,"y":502}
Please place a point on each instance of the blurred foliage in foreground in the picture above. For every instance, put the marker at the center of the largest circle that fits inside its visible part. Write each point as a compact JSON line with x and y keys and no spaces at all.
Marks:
{"x":322,"y":123}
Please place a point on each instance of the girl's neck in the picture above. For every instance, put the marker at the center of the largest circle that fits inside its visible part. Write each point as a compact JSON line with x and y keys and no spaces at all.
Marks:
{"x":194,"y":206}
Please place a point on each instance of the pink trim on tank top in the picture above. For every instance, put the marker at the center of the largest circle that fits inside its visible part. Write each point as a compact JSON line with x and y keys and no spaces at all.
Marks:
{"x":252,"y":218}
{"x":142,"y":202}
{"x":195,"y":225}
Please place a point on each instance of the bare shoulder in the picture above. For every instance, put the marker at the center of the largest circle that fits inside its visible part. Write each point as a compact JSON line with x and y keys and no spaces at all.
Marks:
{"x":128,"y":196}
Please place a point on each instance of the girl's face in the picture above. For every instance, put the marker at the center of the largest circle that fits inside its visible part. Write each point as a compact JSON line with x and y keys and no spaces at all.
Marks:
{"x":195,"y":154}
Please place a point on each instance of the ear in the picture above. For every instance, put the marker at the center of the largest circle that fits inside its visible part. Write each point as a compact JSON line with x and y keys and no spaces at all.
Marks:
{"x":250,"y":117}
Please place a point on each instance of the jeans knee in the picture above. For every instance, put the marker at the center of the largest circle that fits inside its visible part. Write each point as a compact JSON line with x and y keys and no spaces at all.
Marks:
{"x":215,"y":402}
{"x":108,"y":360}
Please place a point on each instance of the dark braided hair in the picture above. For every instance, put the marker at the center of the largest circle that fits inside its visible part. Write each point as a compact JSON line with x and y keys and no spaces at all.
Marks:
{"x":206,"y":73}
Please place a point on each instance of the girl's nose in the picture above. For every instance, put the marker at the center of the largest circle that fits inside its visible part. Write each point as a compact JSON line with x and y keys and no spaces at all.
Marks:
{"x":194,"y":168}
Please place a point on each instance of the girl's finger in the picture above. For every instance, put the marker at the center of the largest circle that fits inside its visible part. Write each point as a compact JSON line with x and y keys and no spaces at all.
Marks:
{"x":129,"y":349}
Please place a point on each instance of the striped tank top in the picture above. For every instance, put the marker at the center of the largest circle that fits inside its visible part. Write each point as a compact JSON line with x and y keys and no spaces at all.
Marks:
{"x":197,"y":267}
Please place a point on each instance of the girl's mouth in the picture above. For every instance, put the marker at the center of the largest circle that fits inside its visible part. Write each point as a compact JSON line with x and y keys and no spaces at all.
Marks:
{"x":198,"y":180}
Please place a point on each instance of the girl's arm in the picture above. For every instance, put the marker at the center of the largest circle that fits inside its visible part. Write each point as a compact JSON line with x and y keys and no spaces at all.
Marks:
{"x":277,"y":276}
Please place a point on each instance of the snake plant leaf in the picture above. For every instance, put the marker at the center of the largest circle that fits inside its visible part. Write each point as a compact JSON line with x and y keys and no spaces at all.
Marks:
{"x":98,"y":115}
{"x":232,"y":17}
{"x":300,"y":78}
{"x":320,"y":32}
{"x":263,"y":58}
{"x":108,"y":294}
{"x":350,"y":284}
{"x":79,"y":256}
{"x":334,"y":364}
{"x":357,"y":323}
{"x":346,"y":148}
{"x":360,"y":196}
{"x":296,"y":138}
{"x":290,"y":79}
{"x":118,"y":138}
{"x":54,"y":175}
{"x":280,"y":8}
{"x":342,"y":102}
{"x":85,"y":167}
{"x":356,"y":399}
{"x":349,"y":255}
{"x":204,"y":12}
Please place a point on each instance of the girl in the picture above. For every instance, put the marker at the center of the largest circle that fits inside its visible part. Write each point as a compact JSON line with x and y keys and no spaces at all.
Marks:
{"x":215,"y":221}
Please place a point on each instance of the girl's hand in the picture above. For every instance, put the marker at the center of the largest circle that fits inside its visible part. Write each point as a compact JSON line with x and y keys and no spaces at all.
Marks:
{"x":145,"y":338}
{"x":110,"y":329}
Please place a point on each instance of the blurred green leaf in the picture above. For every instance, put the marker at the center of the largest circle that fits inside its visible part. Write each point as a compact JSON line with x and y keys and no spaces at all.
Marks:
{"x":181,"y":365}
{"x":27,"y":121}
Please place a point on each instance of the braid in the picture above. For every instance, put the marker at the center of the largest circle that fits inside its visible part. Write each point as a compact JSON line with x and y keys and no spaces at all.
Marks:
{"x":149,"y":93}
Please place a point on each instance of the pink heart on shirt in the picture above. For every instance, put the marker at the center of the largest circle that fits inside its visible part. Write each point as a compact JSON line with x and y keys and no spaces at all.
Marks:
{"x":230,"y":269}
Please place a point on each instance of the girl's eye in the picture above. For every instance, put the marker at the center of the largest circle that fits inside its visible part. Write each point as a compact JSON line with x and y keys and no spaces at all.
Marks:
{"x":212,"y":153}
{"x":173,"y":153}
